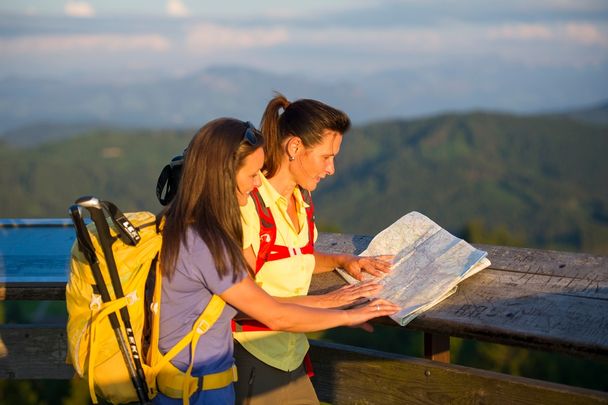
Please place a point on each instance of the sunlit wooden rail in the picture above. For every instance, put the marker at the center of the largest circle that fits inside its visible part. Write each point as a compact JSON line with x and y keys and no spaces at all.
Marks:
{"x":547,"y":300}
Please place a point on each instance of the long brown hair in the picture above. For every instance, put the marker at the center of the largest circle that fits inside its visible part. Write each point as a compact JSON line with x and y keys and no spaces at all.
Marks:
{"x":304,"y":118}
{"x":206,"y":196}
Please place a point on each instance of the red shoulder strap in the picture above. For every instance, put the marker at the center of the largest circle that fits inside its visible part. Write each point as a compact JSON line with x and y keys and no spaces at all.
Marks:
{"x":268,"y":229}
{"x":310,"y":216}
{"x":269,"y":251}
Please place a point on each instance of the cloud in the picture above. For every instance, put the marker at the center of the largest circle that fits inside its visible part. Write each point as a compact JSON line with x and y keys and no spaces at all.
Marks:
{"x":587,"y":34}
{"x":325,"y":47}
{"x":521,"y":32}
{"x":78,"y":9}
{"x":388,"y":39}
{"x":176,"y":8}
{"x":79,"y":43}
{"x":572,"y":33}
{"x":213,"y":36}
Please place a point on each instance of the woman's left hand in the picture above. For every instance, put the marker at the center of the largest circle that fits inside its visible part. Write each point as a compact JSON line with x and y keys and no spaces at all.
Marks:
{"x":374,"y":265}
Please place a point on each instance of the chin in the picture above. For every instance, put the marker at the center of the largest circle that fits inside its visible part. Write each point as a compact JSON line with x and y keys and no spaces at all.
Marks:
{"x":312,"y":186}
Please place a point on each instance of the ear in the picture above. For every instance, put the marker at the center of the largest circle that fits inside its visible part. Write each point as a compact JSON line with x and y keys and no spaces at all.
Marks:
{"x":294,"y":144}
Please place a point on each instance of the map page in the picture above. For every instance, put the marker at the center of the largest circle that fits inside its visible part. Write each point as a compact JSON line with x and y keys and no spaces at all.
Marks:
{"x":429,"y":263}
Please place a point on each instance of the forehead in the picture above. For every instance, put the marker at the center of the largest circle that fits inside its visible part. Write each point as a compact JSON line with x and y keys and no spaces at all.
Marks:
{"x":330,"y":143}
{"x":255,"y":160}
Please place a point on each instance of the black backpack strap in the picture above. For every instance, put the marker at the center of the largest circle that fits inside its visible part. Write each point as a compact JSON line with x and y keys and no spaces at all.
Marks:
{"x":168,"y":180}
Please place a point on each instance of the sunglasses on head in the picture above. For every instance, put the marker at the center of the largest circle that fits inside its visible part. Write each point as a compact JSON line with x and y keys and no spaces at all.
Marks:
{"x":250,"y":134}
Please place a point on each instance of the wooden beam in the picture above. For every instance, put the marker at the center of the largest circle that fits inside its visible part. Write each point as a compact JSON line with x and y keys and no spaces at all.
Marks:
{"x":35,"y":291}
{"x":343,"y":374}
{"x":28,"y":352}
{"x":437,"y":347}
{"x":548,"y":262}
{"x":350,"y":375}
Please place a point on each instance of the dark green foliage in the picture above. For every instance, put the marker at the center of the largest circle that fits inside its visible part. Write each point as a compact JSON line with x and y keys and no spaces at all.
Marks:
{"x":383,"y":338}
{"x":35,"y":392}
{"x":565,"y":369}
{"x":120,"y":166}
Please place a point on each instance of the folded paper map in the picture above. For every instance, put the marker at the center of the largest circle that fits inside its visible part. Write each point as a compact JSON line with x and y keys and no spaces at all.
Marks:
{"x":429,"y":263}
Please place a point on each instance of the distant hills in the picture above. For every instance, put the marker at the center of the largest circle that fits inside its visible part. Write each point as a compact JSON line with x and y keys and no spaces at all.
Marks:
{"x":189,"y":101}
{"x":538,"y":181}
{"x":185,"y":102}
{"x":593,"y":115}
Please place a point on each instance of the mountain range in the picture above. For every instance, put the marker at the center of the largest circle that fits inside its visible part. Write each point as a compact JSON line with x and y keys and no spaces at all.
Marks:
{"x":191,"y":100}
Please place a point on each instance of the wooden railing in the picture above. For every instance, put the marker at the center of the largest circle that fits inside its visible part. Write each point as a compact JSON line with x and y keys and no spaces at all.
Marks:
{"x":548,"y":300}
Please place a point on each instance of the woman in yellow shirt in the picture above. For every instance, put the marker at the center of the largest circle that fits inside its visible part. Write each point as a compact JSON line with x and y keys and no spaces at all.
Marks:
{"x":278,"y":237}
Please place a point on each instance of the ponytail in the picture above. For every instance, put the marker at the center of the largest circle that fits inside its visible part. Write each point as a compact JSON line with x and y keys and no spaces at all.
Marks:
{"x":269,"y":126}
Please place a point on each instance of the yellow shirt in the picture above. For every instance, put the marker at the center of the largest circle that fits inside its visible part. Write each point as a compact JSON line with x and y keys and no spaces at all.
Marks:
{"x":281,"y":278}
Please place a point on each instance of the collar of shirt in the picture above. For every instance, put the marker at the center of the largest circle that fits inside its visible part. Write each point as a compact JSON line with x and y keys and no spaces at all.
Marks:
{"x":272,"y":198}
{"x":270,"y":195}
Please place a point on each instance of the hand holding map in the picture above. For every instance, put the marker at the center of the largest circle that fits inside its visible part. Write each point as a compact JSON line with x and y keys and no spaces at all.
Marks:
{"x":429,"y":263}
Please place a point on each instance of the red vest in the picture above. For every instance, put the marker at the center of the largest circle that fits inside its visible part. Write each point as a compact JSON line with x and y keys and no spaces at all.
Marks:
{"x":269,"y":251}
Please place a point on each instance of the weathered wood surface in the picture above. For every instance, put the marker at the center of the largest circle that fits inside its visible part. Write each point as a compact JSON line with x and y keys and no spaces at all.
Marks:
{"x":36,"y":291}
{"x":540,"y":299}
{"x":547,"y":300}
{"x":349,"y":375}
{"x":34,"y":352}
{"x":344,"y":374}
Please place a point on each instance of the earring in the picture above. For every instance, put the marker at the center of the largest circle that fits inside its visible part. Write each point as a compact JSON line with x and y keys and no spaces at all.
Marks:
{"x":292,"y":158}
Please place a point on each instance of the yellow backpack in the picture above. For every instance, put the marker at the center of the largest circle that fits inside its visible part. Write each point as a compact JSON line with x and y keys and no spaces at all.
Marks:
{"x":113,"y":324}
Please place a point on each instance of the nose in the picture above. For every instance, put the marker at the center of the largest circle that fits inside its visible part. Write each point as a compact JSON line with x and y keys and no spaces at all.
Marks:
{"x":330,"y":169}
{"x":257,"y":181}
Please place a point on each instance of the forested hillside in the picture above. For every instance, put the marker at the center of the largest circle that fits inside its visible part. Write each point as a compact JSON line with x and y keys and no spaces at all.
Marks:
{"x":122,"y":166}
{"x":495,"y":178}
{"x":538,"y":181}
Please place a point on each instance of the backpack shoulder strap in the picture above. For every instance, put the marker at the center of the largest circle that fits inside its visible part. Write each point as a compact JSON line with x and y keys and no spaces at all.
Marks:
{"x":310,"y":217}
{"x":205,"y":321}
{"x":268,"y":229}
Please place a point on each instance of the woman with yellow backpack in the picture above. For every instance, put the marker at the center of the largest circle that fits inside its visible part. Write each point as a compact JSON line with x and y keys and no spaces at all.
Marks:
{"x":202,"y":259}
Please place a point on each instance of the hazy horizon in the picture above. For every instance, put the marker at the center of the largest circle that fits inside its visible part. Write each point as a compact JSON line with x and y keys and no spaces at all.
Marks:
{"x":409,"y":57}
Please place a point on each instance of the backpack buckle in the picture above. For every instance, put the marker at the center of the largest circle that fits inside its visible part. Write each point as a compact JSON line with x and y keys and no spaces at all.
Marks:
{"x":202,"y":327}
{"x":131,"y":298}
{"x":96,"y":302}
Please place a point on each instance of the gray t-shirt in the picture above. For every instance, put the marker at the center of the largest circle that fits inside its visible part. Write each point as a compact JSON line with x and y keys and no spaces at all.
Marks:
{"x":184,"y":298}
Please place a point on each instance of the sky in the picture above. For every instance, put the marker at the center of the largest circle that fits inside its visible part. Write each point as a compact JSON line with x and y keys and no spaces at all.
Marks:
{"x":457,"y":45}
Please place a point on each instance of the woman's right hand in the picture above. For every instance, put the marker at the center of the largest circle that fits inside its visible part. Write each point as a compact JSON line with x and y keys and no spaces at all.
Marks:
{"x":372,"y":309}
{"x":350,"y":294}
